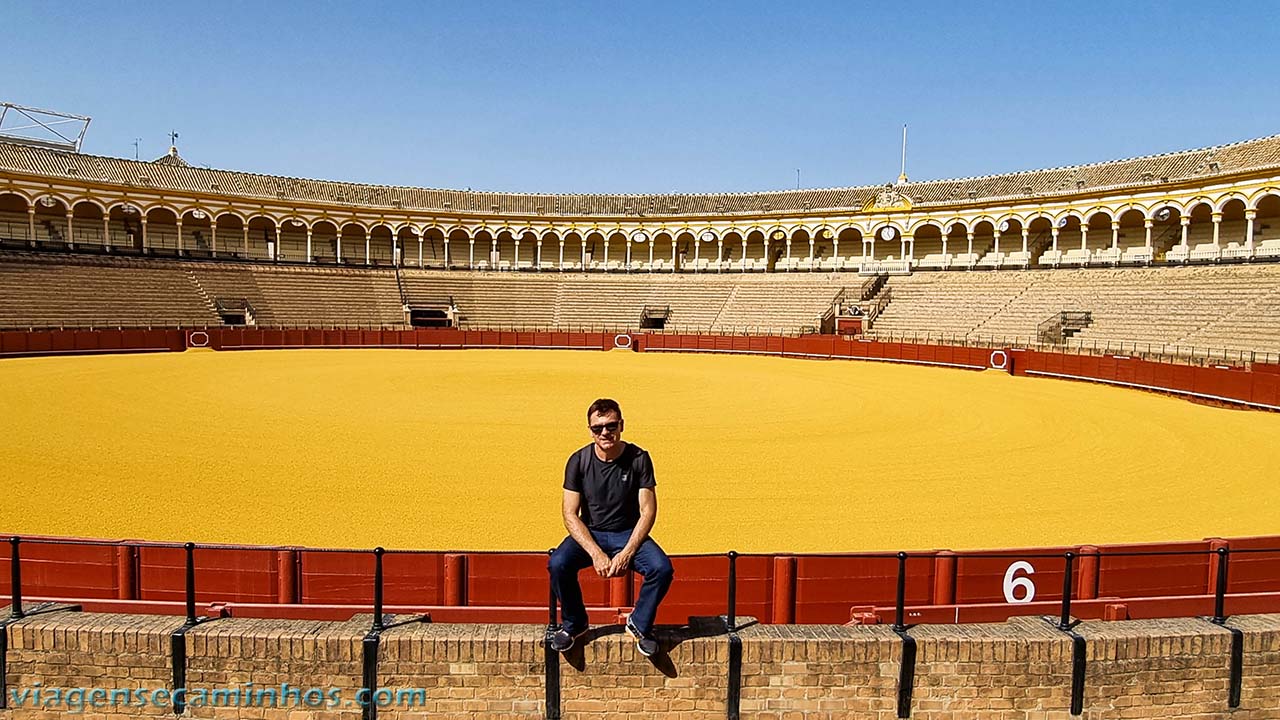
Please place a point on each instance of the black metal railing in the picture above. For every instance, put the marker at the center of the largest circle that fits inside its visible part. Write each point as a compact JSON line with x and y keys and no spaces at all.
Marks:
{"x":1220,"y":556}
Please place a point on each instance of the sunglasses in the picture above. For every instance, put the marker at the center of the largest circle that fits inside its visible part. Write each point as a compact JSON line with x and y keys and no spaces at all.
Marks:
{"x":605,"y":427}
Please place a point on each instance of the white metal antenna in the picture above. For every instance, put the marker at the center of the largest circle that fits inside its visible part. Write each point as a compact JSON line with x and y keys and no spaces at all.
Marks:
{"x":902,"y":176}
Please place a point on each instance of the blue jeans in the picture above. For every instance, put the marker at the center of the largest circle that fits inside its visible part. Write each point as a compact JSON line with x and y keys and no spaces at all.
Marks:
{"x":650,"y":561}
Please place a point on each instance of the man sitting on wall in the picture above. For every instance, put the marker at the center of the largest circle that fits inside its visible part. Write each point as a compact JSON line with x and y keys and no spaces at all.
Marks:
{"x":609,"y":508}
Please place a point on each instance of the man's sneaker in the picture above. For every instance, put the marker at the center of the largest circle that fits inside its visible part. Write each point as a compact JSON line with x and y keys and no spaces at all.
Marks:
{"x":562,"y":639}
{"x":645,"y":644}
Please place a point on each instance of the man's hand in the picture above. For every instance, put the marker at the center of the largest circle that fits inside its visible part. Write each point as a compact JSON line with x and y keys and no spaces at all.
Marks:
{"x":620,"y":563}
{"x":602,"y":564}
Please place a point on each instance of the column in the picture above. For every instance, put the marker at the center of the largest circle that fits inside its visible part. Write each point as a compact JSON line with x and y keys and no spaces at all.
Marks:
{"x":213,"y":236}
{"x":515,"y":264}
{"x":338,"y":245}
{"x":561,"y":255}
{"x":650,"y":243}
{"x":537,"y":259}
{"x":902,"y":246}
{"x":627,"y":260}
{"x":811,"y":250}
{"x":673,"y":254}
{"x":106,"y":232}
{"x":495,"y":255}
{"x":1053,"y":232}
{"x":143,"y":221}
{"x":246,"y":241}
{"x":31,"y":226}
{"x":871,"y":248}
{"x":583,"y":259}
{"x":366,"y":247}
{"x":448,"y":261}
{"x":277,"y":252}
{"x":1249,"y":217}
{"x":1084,"y":236}
{"x":1026,"y":235}
{"x":1217,"y":224}
{"x":944,"y":247}
{"x":1115,"y":235}
{"x":471,"y":253}
{"x":1147,"y":224}
{"x":1185,"y":222}
{"x":719,"y":254}
{"x":310,"y":257}
{"x":996,"y":247}
{"x":606,"y":254}
{"x":180,"y":236}
{"x":697,"y":252}
{"x":788,"y":253}
{"x":969,"y":234}
{"x":744,"y":254}
{"x":910,"y":239}
{"x":835,"y":248}
{"x":71,"y":231}
{"x":766,"y":253}
{"x":420,"y":250}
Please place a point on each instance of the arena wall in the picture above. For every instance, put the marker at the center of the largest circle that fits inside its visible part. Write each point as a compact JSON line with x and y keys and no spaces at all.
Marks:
{"x":1018,"y":670}
{"x":1257,"y":385}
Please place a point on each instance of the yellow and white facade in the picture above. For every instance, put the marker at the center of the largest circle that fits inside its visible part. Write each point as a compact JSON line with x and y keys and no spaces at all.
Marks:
{"x":1208,"y":205}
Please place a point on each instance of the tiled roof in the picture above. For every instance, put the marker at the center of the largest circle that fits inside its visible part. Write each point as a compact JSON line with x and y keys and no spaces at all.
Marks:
{"x":1138,"y":172}
{"x":171,"y":158}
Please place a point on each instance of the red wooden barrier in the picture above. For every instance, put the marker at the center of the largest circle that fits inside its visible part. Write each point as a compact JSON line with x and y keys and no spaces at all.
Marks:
{"x":231,"y":574}
{"x":64,"y":570}
{"x":1253,"y":572}
{"x":1147,"y":575}
{"x":1013,"y":576}
{"x":521,"y":579}
{"x":347,"y":577}
{"x":828,"y":587}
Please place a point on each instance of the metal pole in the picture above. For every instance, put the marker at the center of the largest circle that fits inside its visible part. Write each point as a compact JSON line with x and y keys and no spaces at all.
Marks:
{"x":15,"y":567}
{"x":1220,"y":592}
{"x":551,"y":595}
{"x":1064,"y":623}
{"x":899,"y":613}
{"x":191,"y":582}
{"x":377,"y":588}
{"x":732,"y":621}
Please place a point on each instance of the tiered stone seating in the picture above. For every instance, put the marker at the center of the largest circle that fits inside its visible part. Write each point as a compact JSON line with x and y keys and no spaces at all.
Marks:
{"x":1215,"y":307}
{"x":728,"y":302}
{"x":948,"y":304}
{"x":312,"y":296}
{"x":42,"y":291}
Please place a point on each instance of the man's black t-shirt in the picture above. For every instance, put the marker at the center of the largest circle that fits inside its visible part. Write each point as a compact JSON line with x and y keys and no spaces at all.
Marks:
{"x":610,"y":490}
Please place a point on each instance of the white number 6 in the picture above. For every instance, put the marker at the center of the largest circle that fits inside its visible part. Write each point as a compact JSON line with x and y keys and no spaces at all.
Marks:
{"x":1012,"y":583}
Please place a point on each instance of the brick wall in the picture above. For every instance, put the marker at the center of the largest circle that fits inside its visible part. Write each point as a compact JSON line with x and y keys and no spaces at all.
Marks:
{"x":1019,"y":670}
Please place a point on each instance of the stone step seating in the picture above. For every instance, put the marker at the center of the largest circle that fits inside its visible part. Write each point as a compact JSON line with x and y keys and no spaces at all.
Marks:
{"x":37,"y":293}
{"x":1233,"y":307}
{"x":758,"y":308}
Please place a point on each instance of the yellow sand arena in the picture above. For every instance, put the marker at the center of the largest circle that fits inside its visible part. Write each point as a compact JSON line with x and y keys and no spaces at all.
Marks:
{"x":466,"y":450}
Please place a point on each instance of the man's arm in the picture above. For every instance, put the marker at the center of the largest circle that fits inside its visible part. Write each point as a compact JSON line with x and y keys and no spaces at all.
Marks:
{"x":648,"y":516}
{"x":579,"y":532}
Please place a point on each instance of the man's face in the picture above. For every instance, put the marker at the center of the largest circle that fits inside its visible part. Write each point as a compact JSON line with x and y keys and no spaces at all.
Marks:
{"x":606,"y":430}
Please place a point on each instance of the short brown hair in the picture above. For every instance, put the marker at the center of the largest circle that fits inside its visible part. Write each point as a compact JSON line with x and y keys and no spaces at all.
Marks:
{"x":602,"y":407}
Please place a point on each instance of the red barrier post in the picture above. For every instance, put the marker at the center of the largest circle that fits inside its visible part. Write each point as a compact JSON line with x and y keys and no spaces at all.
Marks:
{"x":1211,"y":582}
{"x":1089,"y":569}
{"x":287,"y":577}
{"x":784,"y":590}
{"x":126,"y":579}
{"x":620,"y":590}
{"x":944,"y":578}
{"x":455,"y":580}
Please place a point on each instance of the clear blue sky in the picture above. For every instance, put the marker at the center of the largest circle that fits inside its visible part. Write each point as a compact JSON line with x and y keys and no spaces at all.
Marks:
{"x":648,"y":96}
